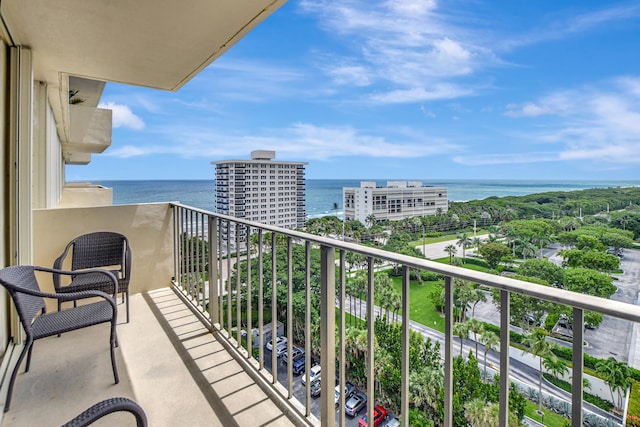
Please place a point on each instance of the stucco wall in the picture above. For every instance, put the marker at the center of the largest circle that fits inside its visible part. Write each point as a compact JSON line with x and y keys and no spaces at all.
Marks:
{"x":149,"y":228}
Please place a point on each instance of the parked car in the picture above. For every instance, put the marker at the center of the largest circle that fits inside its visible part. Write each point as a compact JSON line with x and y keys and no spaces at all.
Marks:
{"x":379,"y":415}
{"x":355,"y":404}
{"x":349,"y":389}
{"x":392,"y":422}
{"x":314,"y":372}
{"x":281,"y":349}
{"x":279,"y":340}
{"x":299,"y":366}
{"x":296,"y":353}
{"x":315,"y":387}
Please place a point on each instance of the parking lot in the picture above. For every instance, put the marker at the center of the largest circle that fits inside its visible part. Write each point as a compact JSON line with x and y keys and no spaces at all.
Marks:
{"x":300,"y":394}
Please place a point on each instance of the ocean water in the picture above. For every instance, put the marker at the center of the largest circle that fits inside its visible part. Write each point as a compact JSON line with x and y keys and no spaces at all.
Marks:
{"x":321,"y":194}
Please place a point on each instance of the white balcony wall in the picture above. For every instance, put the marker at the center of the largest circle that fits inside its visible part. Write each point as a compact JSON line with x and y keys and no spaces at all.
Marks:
{"x":78,"y":195}
{"x":148,"y":227}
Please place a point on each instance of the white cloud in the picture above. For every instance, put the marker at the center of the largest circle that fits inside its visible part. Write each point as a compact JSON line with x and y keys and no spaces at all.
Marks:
{"x":600,"y":122}
{"x":302,"y":140}
{"x":123,"y":116}
{"x":407,"y":46}
{"x":478,"y":159}
{"x":528,"y":110}
{"x":417,"y":94}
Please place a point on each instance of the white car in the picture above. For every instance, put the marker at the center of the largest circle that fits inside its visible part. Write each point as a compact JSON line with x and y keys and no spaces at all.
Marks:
{"x":281,"y":349}
{"x":279,"y":340}
{"x":392,"y":422}
{"x":313,"y":374}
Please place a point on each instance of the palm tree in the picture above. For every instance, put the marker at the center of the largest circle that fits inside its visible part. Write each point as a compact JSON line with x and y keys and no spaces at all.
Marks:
{"x":464,"y":294}
{"x":556,"y":367}
{"x":617,"y":375}
{"x":370,"y":220}
{"x":478,"y":296}
{"x":490,"y":341}
{"x":477,"y":242}
{"x":539,"y":346}
{"x":464,"y":241}
{"x":475,"y":327}
{"x":461,"y":329}
{"x":527,"y":249}
{"x":451,"y":250}
{"x":475,"y":411}
{"x":425,"y":385}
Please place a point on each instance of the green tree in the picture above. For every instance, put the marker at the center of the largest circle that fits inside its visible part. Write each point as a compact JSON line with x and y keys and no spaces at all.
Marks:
{"x":494,"y":253}
{"x":451,"y":250}
{"x":475,"y":327}
{"x":588,"y":281}
{"x":539,"y":346}
{"x":544,"y":269}
{"x":556,"y":367}
{"x":461,"y":330}
{"x":617,"y":375}
{"x":464,"y":242}
{"x":490,"y":341}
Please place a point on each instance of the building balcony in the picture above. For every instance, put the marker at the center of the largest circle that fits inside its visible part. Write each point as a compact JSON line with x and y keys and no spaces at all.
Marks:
{"x":180,"y":359}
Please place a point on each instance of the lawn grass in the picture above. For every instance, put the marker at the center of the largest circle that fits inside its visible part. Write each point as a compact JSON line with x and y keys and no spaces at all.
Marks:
{"x":633,"y":414}
{"x":443,"y":238}
{"x":551,"y":419}
{"x":421,"y":307}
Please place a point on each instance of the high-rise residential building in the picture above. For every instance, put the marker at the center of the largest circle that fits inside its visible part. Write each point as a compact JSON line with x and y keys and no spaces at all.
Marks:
{"x":398,"y":200}
{"x":262,"y":190}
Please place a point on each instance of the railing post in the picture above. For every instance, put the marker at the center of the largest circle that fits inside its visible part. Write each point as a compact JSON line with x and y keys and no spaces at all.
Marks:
{"x":213,"y":270}
{"x":260,"y":302}
{"x":249,"y":296}
{"x":238,"y":228}
{"x":406,"y":326}
{"x":289,"y":317}
{"x":307,"y":325}
{"x":448,"y":351}
{"x":274,"y":307}
{"x":343,"y":291}
{"x":577,"y":359}
{"x":327,"y":334}
{"x":505,"y":383}
{"x":371,"y":316}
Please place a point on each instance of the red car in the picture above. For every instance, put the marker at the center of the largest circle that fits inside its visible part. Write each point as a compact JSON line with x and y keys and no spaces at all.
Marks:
{"x":380,"y":414}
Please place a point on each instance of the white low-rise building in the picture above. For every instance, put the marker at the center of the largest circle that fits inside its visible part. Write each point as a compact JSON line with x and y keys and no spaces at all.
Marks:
{"x":398,"y":200}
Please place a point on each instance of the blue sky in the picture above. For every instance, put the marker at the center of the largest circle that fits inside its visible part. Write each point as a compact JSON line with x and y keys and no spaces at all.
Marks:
{"x":512,"y":89}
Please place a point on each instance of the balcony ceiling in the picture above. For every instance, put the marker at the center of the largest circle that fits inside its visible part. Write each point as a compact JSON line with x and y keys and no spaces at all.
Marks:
{"x":154,"y":43}
{"x":161,"y":44}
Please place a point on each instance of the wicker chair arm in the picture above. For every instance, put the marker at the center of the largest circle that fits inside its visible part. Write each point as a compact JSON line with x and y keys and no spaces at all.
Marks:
{"x":57,"y":264}
{"x":107,"y":407}
{"x":56,"y":272}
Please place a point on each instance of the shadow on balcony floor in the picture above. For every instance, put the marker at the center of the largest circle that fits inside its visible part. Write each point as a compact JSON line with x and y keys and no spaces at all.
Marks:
{"x":168,"y":362}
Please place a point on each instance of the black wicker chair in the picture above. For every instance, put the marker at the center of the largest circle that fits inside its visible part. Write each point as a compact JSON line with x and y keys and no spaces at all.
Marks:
{"x":106,"y":407}
{"x":22,"y":285}
{"x":102,"y":249}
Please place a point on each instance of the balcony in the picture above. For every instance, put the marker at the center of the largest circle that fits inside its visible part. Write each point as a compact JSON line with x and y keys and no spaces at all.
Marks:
{"x":181,"y":343}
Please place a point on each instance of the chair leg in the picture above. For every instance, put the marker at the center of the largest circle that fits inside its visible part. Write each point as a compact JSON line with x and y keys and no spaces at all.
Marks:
{"x":26,"y":368}
{"x":27,"y":348}
{"x":127,"y":305}
{"x":113,"y":342}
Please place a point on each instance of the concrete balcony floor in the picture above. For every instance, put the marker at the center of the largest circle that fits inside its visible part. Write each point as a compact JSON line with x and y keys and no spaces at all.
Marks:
{"x":167,"y":360}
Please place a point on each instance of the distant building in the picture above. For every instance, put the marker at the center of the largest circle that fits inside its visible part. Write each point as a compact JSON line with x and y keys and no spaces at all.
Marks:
{"x":398,"y":200}
{"x":262,"y":190}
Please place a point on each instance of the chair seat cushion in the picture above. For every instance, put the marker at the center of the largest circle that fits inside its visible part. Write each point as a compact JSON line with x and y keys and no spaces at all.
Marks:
{"x":94,"y":281}
{"x":53,"y":323}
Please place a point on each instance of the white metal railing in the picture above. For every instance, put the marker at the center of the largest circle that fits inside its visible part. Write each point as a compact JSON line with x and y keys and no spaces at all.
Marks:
{"x":209,"y":247}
